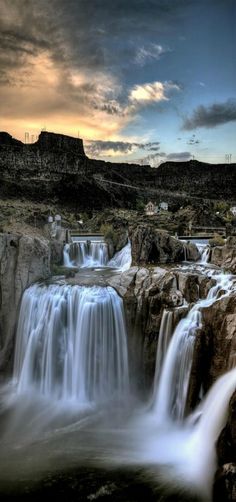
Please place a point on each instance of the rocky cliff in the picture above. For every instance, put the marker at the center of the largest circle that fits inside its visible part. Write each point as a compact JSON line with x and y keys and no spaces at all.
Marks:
{"x":56,"y":167}
{"x":225,"y":256}
{"x":23,"y":260}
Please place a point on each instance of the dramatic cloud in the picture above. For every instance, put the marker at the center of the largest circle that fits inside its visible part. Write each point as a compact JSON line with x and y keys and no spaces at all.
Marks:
{"x":108,"y":70}
{"x":62,"y":63}
{"x":212,"y":116}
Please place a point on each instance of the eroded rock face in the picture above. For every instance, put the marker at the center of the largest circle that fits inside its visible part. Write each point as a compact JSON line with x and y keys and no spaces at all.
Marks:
{"x":146,"y":293}
{"x":23,"y":260}
{"x":56,"y":167}
{"x":225,"y":256}
{"x":153,"y":246}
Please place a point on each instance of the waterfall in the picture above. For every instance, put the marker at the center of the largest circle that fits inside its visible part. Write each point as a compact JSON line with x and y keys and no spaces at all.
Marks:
{"x":201,"y":461}
{"x":204,"y":250}
{"x":185,"y":251}
{"x":95,"y":254}
{"x":205,"y":255}
{"x":85,"y":254}
{"x":122,"y":259}
{"x":165,"y":333}
{"x":71,"y":343}
{"x":171,"y":393}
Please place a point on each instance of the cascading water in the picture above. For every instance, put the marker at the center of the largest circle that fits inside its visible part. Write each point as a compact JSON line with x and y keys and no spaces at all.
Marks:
{"x":165,"y":333}
{"x":95,"y":254}
{"x":71,"y":348}
{"x":85,"y":254}
{"x":204,"y":251}
{"x":71,"y":343}
{"x":122,"y":259}
{"x":170,"y":395}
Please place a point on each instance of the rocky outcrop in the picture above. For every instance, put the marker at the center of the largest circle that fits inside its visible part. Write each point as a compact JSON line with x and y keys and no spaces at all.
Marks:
{"x":153,"y":246}
{"x":23,"y":260}
{"x":225,"y":256}
{"x":146,"y":293}
{"x":51,"y":142}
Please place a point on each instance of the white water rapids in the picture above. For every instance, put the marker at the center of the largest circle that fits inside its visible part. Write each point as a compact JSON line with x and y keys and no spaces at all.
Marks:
{"x":70,"y":396}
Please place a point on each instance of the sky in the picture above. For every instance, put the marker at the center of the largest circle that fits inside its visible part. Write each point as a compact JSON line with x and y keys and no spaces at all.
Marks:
{"x":138,"y":80}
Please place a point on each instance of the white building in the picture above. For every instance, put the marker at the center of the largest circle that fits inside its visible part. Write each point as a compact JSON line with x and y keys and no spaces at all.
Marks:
{"x":150,"y":209}
{"x":163,"y":206}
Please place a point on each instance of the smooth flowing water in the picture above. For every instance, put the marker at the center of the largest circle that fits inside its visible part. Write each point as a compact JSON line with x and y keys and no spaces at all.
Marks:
{"x":170,"y":395}
{"x":87,"y":254}
{"x":71,"y":343}
{"x":70,"y":405}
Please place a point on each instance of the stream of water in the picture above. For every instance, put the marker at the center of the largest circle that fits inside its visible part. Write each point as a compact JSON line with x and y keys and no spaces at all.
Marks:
{"x":70,"y":405}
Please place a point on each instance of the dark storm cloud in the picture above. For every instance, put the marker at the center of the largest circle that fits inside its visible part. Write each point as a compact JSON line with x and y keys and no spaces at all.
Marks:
{"x":82,"y":33}
{"x":121,"y":147}
{"x":211,"y":116}
{"x":26,"y":29}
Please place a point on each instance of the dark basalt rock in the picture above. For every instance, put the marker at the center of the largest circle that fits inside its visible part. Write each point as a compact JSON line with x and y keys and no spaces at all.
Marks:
{"x":153,"y":246}
{"x":225,"y":484}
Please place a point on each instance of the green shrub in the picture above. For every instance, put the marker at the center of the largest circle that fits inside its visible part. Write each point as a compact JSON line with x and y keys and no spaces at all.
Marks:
{"x":221,"y":206}
{"x":109,"y":233}
{"x":217,"y":240}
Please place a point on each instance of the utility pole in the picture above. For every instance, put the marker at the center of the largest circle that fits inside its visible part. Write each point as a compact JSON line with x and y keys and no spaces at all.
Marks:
{"x":228,"y":158}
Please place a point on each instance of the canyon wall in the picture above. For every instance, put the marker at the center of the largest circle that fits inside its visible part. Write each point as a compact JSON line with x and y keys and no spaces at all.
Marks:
{"x":56,"y":167}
